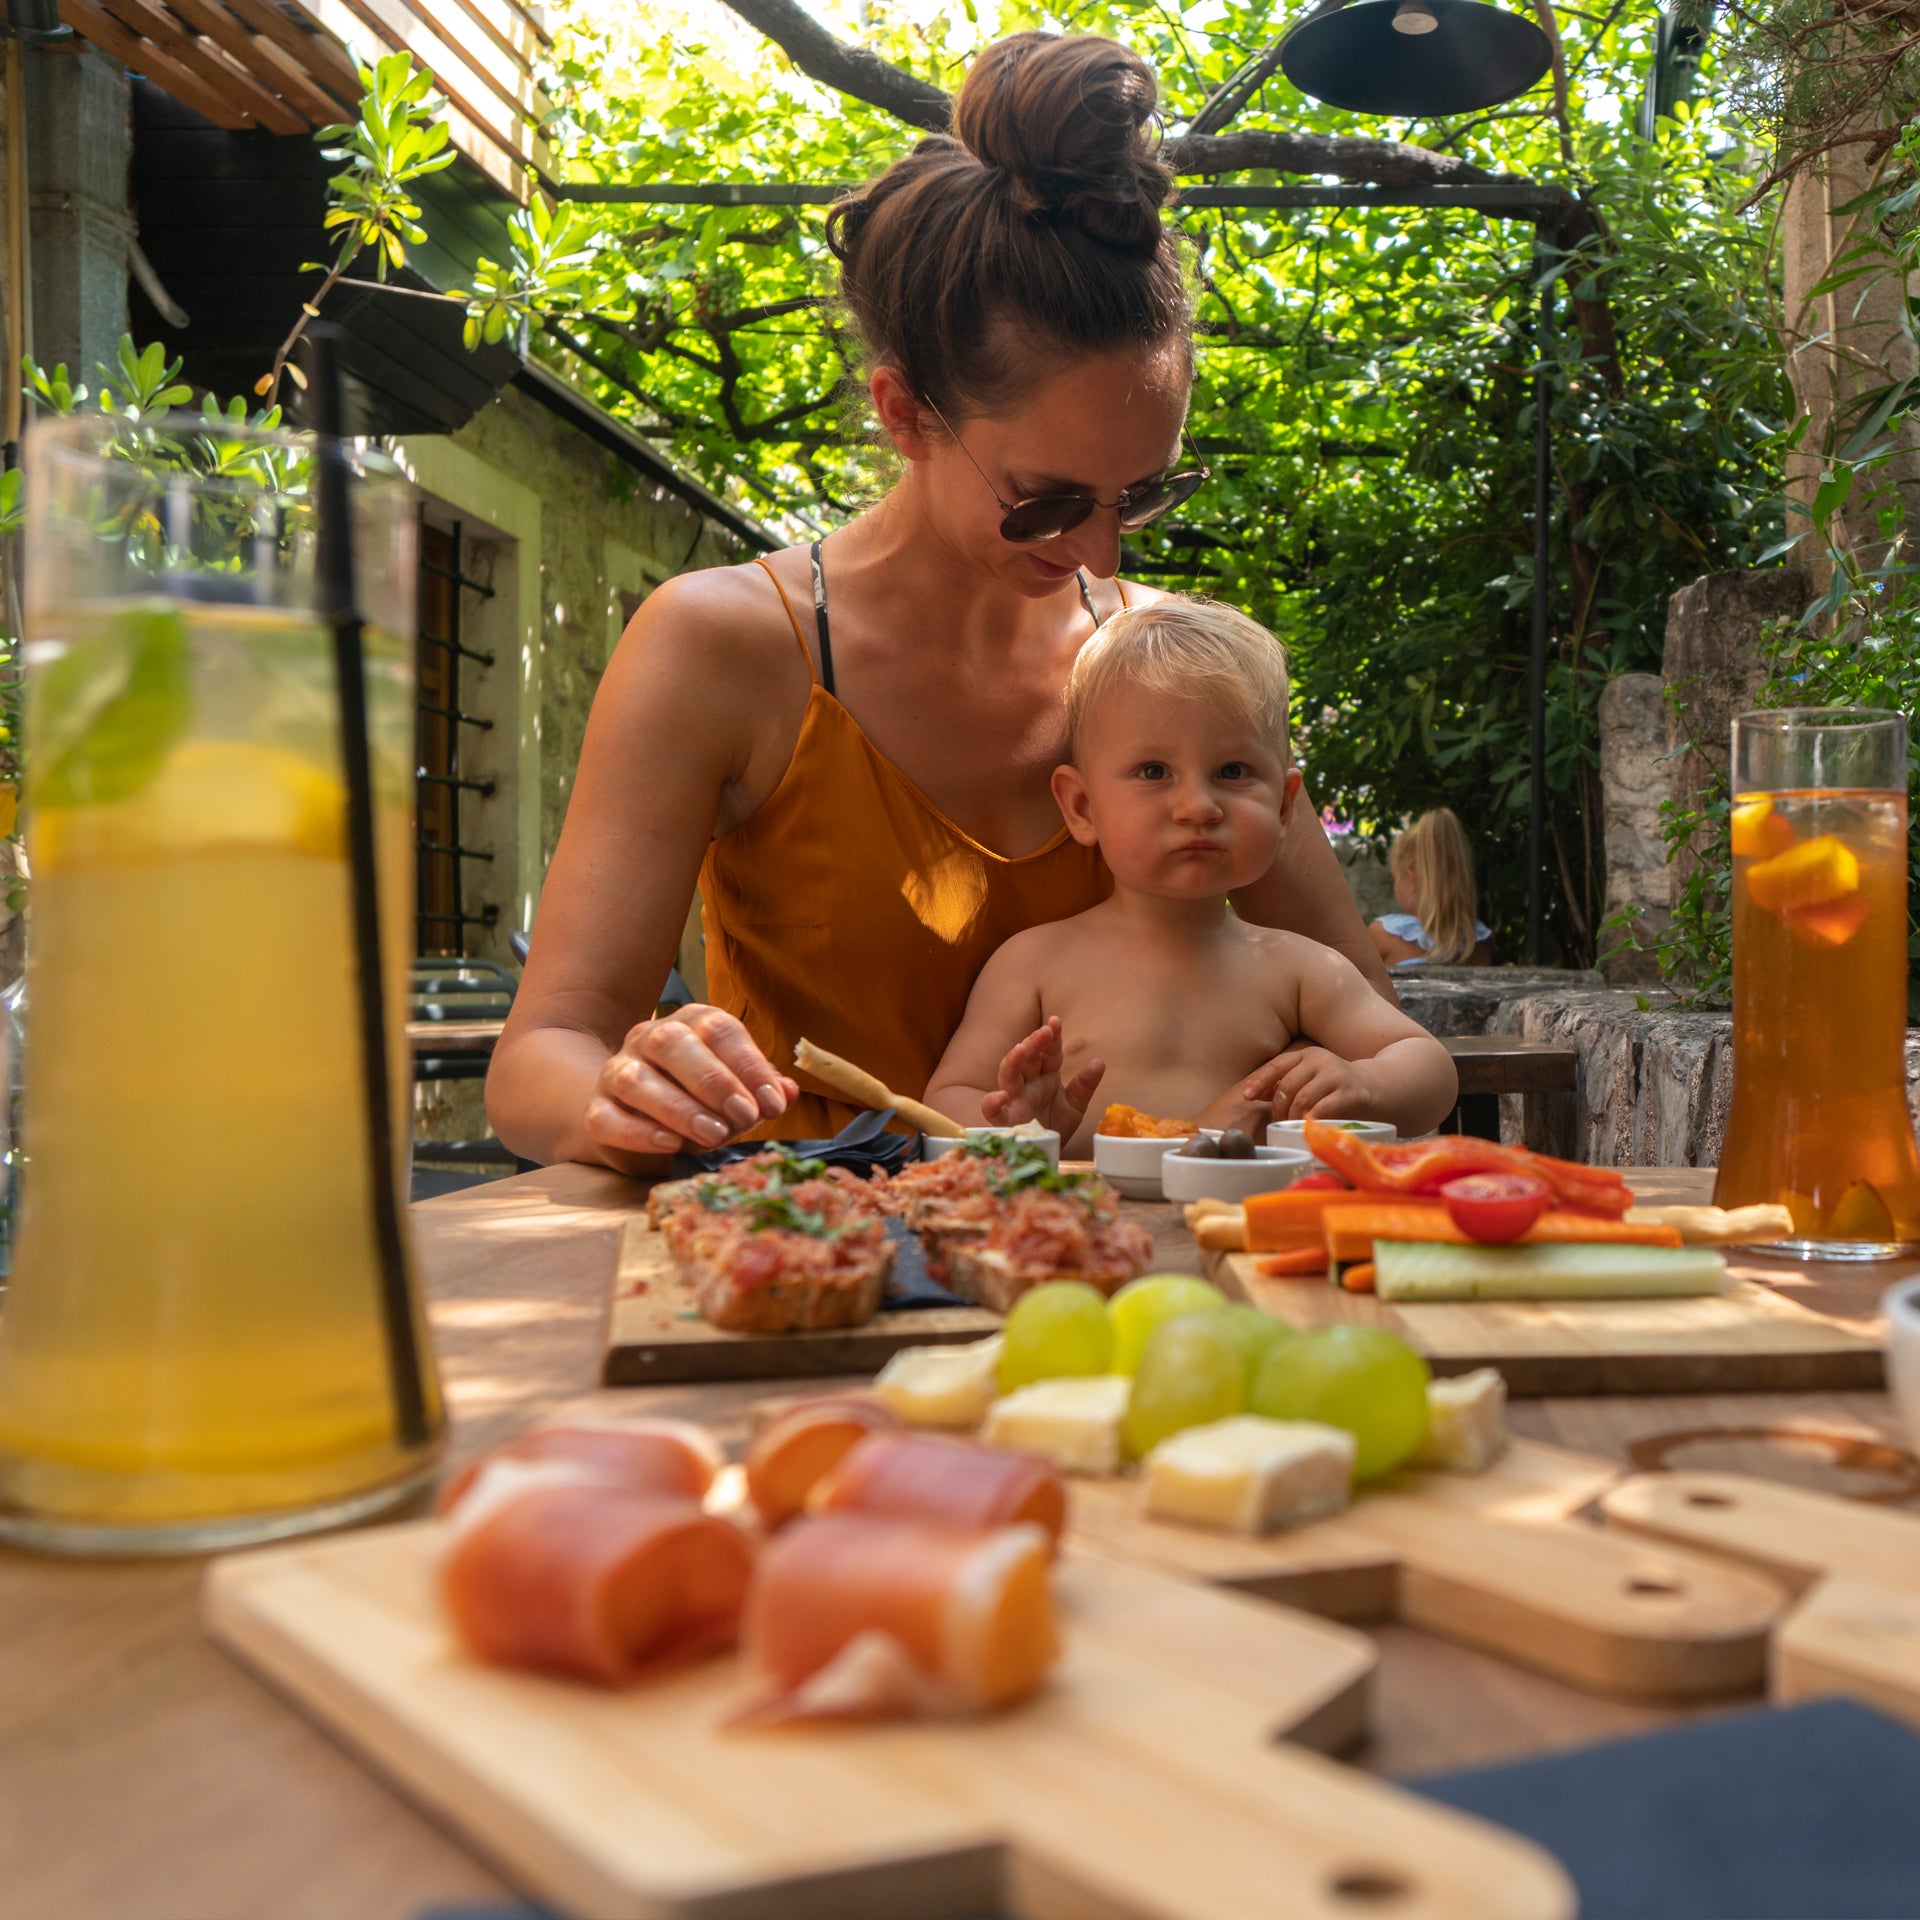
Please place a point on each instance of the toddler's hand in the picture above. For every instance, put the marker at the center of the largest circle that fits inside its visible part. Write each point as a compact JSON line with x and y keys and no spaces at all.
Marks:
{"x":1030,"y":1087}
{"x":1310,"y":1080}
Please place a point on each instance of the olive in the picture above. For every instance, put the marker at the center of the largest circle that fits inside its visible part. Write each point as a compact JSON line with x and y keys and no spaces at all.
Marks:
{"x":1237,"y":1144}
{"x":1203,"y":1146}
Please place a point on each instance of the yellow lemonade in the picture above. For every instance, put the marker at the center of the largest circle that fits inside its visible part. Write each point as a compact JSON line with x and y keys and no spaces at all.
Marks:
{"x":194,"y":1329}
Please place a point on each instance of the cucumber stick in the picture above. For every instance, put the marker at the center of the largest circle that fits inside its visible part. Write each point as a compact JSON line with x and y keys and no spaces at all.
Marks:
{"x":1426,"y":1270}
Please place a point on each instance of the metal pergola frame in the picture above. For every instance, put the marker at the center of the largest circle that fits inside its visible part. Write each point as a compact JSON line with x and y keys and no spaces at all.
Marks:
{"x":1510,"y":200}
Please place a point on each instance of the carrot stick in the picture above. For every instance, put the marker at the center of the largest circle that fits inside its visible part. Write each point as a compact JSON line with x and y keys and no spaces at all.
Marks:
{"x":1296,"y":1261}
{"x":1357,"y":1278}
{"x":1351,"y":1230}
{"x":1276,"y":1221}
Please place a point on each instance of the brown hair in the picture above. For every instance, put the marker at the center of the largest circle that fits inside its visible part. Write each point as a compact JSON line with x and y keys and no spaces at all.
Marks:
{"x":1444,"y":901}
{"x":1036,"y":224}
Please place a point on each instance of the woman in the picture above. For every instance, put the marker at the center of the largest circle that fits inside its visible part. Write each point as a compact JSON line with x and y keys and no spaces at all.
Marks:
{"x":850,"y":748}
{"x":1432,"y":868}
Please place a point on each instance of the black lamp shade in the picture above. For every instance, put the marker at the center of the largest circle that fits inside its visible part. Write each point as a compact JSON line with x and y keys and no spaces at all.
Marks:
{"x":35,"y":20}
{"x":1471,"y":56}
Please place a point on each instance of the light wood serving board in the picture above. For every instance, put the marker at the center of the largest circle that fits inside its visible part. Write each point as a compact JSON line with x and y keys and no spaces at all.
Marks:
{"x":655,"y":1333}
{"x":1500,"y":1560}
{"x":1748,"y":1339}
{"x":1145,"y":1783}
{"x":1856,"y":1628}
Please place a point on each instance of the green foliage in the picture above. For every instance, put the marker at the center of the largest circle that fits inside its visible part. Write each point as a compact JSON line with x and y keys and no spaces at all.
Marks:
{"x":552,"y":268}
{"x":400,"y":137}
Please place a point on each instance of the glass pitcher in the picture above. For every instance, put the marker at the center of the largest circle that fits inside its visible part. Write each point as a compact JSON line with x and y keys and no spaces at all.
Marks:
{"x":210,"y":1335}
{"x":1819,"y":1119}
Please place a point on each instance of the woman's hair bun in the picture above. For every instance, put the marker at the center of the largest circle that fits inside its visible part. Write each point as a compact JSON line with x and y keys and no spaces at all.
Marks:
{"x":1069,"y":123}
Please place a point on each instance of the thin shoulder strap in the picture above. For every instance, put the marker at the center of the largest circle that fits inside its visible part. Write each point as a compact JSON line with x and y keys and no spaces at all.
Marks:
{"x":820,"y":617}
{"x":794,"y":618}
{"x":1121,"y":586}
{"x":1086,"y":598}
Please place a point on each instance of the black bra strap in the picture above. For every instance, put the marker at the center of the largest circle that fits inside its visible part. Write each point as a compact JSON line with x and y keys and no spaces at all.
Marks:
{"x":1086,"y":598}
{"x":820,"y":616}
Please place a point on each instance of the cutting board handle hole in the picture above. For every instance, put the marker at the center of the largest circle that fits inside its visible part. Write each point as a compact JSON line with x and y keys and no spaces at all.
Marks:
{"x":1370,"y":1886}
{"x":1710,"y":1500}
{"x":1648,"y":1589}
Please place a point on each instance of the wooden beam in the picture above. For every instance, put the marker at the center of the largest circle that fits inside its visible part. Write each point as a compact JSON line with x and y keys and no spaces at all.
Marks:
{"x":154,"y":23}
{"x":143,"y":57}
{"x":334,"y":108}
{"x":315,"y":52}
{"x":260,"y":58}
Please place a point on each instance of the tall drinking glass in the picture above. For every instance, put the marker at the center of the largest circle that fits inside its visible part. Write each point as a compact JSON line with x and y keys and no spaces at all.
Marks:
{"x":1819,"y":1120}
{"x":202,"y":1343}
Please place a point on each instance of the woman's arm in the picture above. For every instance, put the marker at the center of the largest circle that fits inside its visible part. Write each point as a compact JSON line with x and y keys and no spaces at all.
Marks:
{"x":1305,"y":892}
{"x":693,"y":719}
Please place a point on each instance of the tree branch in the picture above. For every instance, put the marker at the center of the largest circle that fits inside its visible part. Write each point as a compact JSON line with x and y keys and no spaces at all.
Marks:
{"x":865,"y":76}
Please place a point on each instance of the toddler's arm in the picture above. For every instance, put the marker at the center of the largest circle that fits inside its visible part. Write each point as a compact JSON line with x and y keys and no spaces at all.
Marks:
{"x":1367,"y":1060}
{"x":1001,"y":1068}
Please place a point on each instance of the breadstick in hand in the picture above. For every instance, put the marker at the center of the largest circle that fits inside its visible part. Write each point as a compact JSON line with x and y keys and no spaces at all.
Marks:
{"x":856,"y":1084}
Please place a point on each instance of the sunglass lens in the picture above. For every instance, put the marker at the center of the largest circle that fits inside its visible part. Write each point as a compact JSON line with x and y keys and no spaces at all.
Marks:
{"x":1045,"y":519}
{"x":1170,"y":493}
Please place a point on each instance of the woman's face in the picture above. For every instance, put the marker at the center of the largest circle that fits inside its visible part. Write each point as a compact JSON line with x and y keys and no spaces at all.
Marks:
{"x":1108,"y":423}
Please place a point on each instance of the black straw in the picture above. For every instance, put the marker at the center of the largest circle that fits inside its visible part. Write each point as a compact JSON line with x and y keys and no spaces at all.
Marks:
{"x":340,"y":609}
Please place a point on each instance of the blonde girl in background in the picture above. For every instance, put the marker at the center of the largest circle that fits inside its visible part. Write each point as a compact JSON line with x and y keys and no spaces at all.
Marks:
{"x":1432,"y":868}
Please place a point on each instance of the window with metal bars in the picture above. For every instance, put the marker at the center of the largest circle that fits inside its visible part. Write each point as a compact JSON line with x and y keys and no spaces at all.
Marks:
{"x":440,"y":725}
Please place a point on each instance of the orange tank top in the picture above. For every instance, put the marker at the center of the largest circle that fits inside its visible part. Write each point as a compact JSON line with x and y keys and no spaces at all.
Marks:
{"x":849,"y":910}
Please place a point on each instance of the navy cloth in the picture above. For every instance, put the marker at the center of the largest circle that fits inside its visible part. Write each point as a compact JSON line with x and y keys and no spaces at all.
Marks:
{"x":1806,"y":1813}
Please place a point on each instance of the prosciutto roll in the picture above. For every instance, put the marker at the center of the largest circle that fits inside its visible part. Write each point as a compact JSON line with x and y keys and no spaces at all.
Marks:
{"x":853,"y":1617}
{"x":644,"y":1456}
{"x":920,"y":1476}
{"x":591,"y":1580}
{"x":790,"y":1455}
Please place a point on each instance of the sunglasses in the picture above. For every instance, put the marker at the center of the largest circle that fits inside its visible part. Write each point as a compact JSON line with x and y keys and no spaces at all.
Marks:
{"x":1048,"y":515}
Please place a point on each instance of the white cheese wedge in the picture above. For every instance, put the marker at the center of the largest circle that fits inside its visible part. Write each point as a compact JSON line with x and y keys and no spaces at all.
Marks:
{"x":1251,"y":1475}
{"x":1073,"y":1423}
{"x":946,"y":1387}
{"x":1466,"y":1422}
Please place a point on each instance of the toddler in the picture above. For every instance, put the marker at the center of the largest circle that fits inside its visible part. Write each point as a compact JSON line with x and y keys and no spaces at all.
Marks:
{"x":1181,"y":774}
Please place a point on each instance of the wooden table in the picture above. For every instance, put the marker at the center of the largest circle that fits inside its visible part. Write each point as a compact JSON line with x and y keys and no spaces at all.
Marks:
{"x":143,"y":1774}
{"x":1493,"y":1063}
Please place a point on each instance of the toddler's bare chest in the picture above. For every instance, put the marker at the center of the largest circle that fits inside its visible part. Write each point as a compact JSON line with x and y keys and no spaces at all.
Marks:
{"x":1158,"y":1021}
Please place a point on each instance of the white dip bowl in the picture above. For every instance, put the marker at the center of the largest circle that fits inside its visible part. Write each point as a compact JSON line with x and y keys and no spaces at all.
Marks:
{"x":933,"y":1145}
{"x":1132,"y":1166}
{"x":1293,"y":1133}
{"x":1183,"y":1178}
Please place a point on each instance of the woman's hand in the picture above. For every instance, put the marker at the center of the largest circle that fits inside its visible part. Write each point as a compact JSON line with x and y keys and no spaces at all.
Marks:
{"x":682,"y":1084}
{"x":1030,"y":1087}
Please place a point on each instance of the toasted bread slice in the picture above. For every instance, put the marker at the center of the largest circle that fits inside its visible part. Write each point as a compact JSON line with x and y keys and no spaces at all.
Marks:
{"x":993,"y":1280}
{"x":804,"y":1303}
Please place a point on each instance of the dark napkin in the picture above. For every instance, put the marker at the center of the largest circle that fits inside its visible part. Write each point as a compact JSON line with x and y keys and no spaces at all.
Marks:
{"x":1806,"y":1813}
{"x":861,"y":1146}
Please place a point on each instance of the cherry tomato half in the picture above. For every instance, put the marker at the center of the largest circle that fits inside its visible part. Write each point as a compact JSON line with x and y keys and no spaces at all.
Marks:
{"x":1494,"y":1208}
{"x":1320,"y":1183}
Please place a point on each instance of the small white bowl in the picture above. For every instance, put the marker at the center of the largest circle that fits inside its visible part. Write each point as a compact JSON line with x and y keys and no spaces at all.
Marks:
{"x":1901,"y":1304}
{"x":1183,"y":1178}
{"x":1293,"y":1133}
{"x":933,"y":1145}
{"x":1132,"y":1166}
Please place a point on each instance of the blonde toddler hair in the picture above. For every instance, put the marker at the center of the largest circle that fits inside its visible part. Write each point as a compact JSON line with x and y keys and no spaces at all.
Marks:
{"x":1186,"y":649}
{"x":1444,"y":901}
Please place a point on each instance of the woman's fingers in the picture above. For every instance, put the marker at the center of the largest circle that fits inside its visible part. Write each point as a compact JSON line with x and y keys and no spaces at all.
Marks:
{"x":612,"y":1125}
{"x":688,"y":1054}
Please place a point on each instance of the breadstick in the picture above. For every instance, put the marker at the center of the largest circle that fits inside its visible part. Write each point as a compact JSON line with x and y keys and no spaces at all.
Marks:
{"x":856,"y":1084}
{"x":1217,"y":1227}
{"x":1716,"y":1226}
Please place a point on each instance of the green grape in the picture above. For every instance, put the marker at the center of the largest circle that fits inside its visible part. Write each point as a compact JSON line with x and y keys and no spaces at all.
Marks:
{"x":1254,"y":1333}
{"x":1190,"y":1374}
{"x":1141,"y":1305}
{"x":1057,"y":1329}
{"x":1359,"y":1378}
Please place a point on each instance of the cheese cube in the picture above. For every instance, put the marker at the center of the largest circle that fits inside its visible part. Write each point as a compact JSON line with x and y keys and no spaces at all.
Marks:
{"x":949,"y":1387}
{"x":1466,"y":1422}
{"x":1074,"y":1423}
{"x":1251,"y":1475}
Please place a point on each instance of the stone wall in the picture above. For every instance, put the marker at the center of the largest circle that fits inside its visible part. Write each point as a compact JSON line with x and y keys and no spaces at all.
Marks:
{"x":1633,"y":783}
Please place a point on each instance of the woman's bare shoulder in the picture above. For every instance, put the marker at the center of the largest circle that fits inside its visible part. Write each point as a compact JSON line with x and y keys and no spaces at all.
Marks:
{"x":721,"y":615}
{"x":1134,"y":594}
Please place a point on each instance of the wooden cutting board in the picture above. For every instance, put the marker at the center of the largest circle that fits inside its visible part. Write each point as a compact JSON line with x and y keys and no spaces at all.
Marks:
{"x":1499,"y":1560}
{"x":1749,"y":1339}
{"x":655,"y":1333}
{"x":1146,"y":1783}
{"x":1856,"y":1627}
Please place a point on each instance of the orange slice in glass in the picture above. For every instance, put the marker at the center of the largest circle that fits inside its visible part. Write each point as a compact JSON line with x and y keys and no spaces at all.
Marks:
{"x":1861,"y":1215}
{"x":1807,"y":875}
{"x":1832,"y":925}
{"x":1758,"y":832}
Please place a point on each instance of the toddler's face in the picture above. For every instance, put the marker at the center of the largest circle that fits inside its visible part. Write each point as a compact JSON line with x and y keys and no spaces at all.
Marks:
{"x":1183,"y":797}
